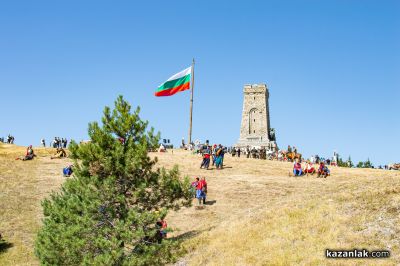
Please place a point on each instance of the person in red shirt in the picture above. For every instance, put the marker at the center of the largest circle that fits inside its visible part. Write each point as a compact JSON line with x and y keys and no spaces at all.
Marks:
{"x":323,"y":170}
{"x":297,"y":171}
{"x":309,"y":169}
{"x":204,"y":189}
{"x":30,"y":154}
{"x":199,"y":190}
{"x":161,"y":226}
{"x":206,"y":159}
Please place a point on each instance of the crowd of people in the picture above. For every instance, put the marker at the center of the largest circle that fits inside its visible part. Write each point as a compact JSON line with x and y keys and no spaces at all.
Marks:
{"x":270,"y":152}
{"x":290,"y":154}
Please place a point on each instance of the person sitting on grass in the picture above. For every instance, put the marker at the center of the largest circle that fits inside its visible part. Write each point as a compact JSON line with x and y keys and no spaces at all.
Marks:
{"x":67,"y":171}
{"x":323,"y":170}
{"x":297,"y":171}
{"x":60,"y":153}
{"x":30,"y":154}
{"x":309,"y":169}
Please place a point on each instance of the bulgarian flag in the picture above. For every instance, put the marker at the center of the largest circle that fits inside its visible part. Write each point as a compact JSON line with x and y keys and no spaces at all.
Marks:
{"x":176,"y":83}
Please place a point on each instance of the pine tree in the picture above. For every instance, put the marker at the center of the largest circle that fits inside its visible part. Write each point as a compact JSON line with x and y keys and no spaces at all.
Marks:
{"x":106,"y":214}
{"x":350,"y":162}
{"x":368,"y":164}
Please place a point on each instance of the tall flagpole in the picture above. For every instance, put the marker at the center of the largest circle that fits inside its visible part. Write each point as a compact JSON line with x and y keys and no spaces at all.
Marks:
{"x":191,"y":103}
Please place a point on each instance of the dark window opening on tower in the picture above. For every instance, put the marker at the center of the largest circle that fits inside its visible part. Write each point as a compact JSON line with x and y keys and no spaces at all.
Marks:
{"x":254,"y":131}
{"x":254,"y":120}
{"x":254,"y":97}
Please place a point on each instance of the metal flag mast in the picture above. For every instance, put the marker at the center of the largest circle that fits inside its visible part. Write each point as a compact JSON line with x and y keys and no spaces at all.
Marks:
{"x":191,"y":102}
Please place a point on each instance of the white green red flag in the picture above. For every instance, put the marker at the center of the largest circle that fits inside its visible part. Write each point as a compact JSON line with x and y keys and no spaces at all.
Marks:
{"x":176,"y":83}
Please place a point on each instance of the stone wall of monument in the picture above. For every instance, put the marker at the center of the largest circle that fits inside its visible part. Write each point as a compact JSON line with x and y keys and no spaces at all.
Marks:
{"x":255,"y":116}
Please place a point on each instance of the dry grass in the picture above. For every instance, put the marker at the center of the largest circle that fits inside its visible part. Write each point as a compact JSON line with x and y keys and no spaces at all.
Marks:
{"x":260,"y":216}
{"x":23,"y":184}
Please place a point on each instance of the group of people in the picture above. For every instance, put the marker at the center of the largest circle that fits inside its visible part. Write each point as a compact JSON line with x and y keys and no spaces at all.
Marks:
{"x":215,"y":153}
{"x":322,"y":170}
{"x":199,"y":190}
{"x":317,"y":159}
{"x":10,"y":139}
{"x":56,"y":143}
{"x":30,"y":154}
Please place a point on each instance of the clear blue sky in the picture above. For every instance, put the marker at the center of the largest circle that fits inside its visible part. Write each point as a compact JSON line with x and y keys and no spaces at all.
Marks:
{"x":332,"y":67}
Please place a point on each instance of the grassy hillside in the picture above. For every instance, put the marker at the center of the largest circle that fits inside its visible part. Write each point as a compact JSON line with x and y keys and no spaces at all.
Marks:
{"x":257,"y":215}
{"x":23,"y":184}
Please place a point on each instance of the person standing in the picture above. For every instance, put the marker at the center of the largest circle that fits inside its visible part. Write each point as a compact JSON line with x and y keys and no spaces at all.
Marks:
{"x":214,"y":156}
{"x":206,"y":159}
{"x":238,"y":152}
{"x":289,"y":149}
{"x":199,"y":191}
{"x":219,"y":157}
{"x":204,"y":189}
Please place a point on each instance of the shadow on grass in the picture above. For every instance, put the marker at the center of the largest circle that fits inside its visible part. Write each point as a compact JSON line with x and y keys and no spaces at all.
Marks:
{"x":189,"y":234}
{"x":4,"y":245}
{"x":210,"y":202}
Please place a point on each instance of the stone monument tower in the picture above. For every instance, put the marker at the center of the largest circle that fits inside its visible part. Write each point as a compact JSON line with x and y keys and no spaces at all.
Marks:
{"x":255,"y":130}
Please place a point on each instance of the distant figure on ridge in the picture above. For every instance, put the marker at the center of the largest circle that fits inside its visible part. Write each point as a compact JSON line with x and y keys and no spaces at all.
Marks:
{"x":43,"y":142}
